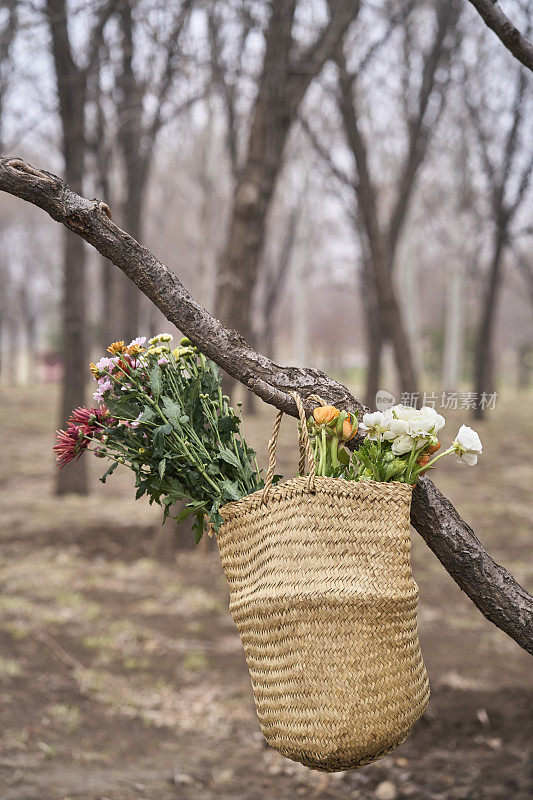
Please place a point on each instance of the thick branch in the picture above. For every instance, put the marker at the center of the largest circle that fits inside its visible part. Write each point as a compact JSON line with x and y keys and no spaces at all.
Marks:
{"x":494,"y":591}
{"x":515,"y":42}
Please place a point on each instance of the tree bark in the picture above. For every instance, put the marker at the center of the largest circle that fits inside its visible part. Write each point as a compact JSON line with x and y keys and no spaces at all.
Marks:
{"x":495,"y":592}
{"x":517,"y":44}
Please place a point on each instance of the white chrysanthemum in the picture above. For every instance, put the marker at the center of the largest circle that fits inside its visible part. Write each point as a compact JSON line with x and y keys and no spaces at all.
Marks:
{"x":467,"y":445}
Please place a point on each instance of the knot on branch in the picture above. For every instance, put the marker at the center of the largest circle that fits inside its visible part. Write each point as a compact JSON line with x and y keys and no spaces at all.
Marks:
{"x":101,"y":206}
{"x":21,"y":166}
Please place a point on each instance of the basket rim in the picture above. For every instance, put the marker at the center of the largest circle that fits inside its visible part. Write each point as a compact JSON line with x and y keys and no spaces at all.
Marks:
{"x":324,"y":485}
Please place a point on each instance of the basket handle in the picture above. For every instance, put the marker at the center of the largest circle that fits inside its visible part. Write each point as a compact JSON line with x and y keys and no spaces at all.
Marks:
{"x":304,"y":444}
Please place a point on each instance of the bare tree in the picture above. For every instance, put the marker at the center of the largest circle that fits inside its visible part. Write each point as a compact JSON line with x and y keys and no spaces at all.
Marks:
{"x":381,"y":232}
{"x":138,"y":128}
{"x":508,"y":175}
{"x":72,"y":83}
{"x":101,"y":146}
{"x":285,"y":77}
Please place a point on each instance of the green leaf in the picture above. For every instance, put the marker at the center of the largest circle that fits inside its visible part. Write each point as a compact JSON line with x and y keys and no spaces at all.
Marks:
{"x":229,"y":457}
{"x":159,"y":439}
{"x":123,"y":409}
{"x":230,"y":490}
{"x":227,"y":425}
{"x":173,"y":412}
{"x":162,"y":466}
{"x":343,"y":457}
{"x":109,"y":471}
{"x":147,"y":415}
{"x":156,"y":383}
{"x":198,"y":527}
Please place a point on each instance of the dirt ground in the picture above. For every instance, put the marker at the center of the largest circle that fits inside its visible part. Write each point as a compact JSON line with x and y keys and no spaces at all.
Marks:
{"x":122,"y":676}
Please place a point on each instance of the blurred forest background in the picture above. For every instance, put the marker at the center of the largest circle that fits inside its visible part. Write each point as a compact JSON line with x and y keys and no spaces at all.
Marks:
{"x":349,"y":184}
{"x":348,"y":188}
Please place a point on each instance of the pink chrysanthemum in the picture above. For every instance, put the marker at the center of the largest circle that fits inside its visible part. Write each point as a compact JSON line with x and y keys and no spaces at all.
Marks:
{"x":82,"y":426}
{"x":89,"y":416}
{"x":70,"y":444}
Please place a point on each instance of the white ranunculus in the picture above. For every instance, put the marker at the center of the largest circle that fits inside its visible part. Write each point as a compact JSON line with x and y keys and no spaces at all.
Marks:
{"x":426,"y":423}
{"x":376,"y":425}
{"x":402,"y":444}
{"x":467,"y":445}
{"x":397,"y":427}
{"x":405,"y":413}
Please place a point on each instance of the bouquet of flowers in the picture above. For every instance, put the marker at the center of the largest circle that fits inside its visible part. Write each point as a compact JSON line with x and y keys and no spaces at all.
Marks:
{"x":399,"y":445}
{"x":161,"y":412}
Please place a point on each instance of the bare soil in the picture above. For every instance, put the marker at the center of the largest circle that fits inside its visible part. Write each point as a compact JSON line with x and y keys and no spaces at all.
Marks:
{"x":122,"y":676}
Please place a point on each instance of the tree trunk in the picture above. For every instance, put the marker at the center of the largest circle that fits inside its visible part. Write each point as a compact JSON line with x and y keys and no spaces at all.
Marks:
{"x":453,"y":329}
{"x":254,"y":189}
{"x":136,"y":160}
{"x":373,"y":370}
{"x":484,"y":355}
{"x":300,"y":311}
{"x":281,"y":89}
{"x":128,"y":295}
{"x":373,"y":331}
{"x":71,"y":89}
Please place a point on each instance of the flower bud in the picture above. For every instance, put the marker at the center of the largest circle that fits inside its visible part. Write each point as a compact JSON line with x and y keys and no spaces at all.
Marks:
{"x":422,"y":460}
{"x":349,"y":428}
{"x":433,"y":448}
{"x":325,"y":414}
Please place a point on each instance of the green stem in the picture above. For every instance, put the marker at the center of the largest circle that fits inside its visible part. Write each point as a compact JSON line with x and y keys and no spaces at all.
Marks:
{"x":334,"y":446}
{"x":447,"y":452}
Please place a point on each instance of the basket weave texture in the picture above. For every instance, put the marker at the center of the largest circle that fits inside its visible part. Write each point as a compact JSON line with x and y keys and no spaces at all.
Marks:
{"x":323,"y":597}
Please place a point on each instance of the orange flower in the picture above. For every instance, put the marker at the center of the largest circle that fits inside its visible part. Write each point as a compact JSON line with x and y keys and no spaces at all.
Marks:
{"x":116,"y":347}
{"x":134,"y":349}
{"x":94,"y":371}
{"x":349,"y":429}
{"x":325,"y":414}
{"x":433,"y":448}
{"x":422,"y":460}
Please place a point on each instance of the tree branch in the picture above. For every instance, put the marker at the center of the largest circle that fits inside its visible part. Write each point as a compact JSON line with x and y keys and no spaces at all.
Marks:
{"x":493,"y":590}
{"x":518,"y":44}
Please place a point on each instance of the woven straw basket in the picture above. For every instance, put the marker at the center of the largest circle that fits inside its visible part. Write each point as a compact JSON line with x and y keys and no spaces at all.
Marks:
{"x":322,"y":594}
